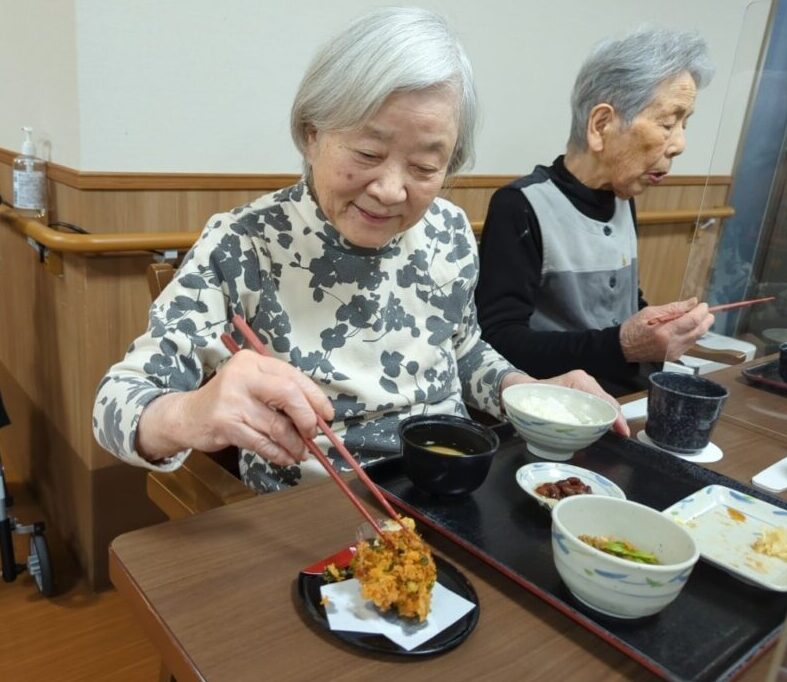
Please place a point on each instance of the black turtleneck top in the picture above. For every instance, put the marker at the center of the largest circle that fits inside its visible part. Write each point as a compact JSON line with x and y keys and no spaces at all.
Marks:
{"x":509,"y":282}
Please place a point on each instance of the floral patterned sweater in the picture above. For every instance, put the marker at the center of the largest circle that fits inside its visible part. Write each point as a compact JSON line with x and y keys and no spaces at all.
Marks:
{"x":387,"y":333}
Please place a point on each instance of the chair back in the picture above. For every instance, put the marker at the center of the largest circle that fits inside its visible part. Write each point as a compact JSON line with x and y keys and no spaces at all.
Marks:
{"x":205,"y":480}
{"x":159,"y":275}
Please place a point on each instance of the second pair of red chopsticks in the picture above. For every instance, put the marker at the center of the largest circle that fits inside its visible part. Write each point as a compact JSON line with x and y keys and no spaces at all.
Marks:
{"x":253,"y":340}
{"x":712,"y":309}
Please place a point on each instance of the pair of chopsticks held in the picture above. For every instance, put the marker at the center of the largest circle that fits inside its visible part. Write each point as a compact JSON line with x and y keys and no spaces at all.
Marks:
{"x":253,"y":340}
{"x":713,"y":309}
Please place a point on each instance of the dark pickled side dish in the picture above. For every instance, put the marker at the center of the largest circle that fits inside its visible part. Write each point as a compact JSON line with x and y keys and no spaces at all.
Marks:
{"x":566,"y":487}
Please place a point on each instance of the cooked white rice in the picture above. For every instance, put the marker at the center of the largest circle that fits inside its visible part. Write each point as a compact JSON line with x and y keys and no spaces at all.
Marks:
{"x":550,"y":409}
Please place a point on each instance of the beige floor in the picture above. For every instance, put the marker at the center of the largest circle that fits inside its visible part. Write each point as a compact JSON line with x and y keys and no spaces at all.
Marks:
{"x":74,"y":636}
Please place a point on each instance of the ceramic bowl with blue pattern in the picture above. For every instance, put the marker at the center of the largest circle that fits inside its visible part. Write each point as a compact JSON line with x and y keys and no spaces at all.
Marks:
{"x":556,"y":421}
{"x":611,"y":585}
{"x":531,"y":476}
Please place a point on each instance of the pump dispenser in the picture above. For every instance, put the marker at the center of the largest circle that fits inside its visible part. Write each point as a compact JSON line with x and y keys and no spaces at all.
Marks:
{"x":29,"y":180}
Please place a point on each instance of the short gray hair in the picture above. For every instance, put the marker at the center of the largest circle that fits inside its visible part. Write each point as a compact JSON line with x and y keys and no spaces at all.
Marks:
{"x":625,"y":73}
{"x":388,"y":50}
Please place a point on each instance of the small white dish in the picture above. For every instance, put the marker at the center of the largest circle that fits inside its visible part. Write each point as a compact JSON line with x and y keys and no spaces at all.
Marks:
{"x":725,"y":524}
{"x":710,"y":453}
{"x":775,"y":334}
{"x":530,"y":476}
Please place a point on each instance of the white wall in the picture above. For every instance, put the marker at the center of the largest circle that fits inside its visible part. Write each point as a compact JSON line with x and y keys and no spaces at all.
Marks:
{"x":38,"y":77}
{"x":205,"y":86}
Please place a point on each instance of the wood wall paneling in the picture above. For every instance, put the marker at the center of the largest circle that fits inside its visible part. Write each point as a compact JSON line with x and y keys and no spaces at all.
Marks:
{"x":60,"y":334}
{"x":673,"y":264}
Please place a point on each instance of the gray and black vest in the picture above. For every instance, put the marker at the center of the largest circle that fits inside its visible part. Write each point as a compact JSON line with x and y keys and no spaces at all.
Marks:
{"x":589,"y":276}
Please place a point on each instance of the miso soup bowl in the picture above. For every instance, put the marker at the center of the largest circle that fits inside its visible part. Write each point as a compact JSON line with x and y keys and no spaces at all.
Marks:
{"x":446,"y":474}
{"x":611,"y":585}
{"x":557,"y":438}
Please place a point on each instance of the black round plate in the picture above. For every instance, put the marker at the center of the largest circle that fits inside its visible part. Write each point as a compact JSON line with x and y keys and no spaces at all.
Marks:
{"x":447,"y":575}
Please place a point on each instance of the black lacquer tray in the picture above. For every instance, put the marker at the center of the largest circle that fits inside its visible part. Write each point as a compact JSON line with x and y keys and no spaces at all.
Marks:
{"x":713,"y":630}
{"x":765,"y":375}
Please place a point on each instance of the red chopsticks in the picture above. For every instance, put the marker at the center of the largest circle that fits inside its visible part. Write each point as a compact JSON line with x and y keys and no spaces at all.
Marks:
{"x":713,"y":309}
{"x":740,"y":304}
{"x":233,"y":347}
{"x":254,"y":341}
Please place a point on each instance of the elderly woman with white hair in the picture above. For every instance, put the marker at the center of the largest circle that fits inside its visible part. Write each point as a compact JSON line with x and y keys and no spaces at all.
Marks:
{"x":559,"y":287}
{"x":358,"y":279}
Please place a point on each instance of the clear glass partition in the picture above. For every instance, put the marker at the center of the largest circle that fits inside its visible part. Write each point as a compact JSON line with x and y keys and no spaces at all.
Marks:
{"x":746,"y":256}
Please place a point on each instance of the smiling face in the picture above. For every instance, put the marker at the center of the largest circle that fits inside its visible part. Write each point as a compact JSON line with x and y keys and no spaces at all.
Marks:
{"x":637,"y":156}
{"x":378,"y":180}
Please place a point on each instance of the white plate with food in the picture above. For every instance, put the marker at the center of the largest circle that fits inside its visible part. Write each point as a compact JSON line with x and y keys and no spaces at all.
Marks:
{"x":549,"y":482}
{"x":738,"y":533}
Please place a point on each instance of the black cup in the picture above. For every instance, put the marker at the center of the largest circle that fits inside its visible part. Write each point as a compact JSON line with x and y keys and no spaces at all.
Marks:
{"x":783,"y":361}
{"x":446,"y":474}
{"x":682,"y":410}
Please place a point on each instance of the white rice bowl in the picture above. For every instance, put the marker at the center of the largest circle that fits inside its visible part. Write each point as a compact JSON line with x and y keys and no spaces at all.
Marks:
{"x":556,"y":421}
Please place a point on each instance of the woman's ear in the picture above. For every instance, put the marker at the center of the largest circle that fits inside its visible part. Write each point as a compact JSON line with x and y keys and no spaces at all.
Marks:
{"x":311,"y":141}
{"x":600,"y":123}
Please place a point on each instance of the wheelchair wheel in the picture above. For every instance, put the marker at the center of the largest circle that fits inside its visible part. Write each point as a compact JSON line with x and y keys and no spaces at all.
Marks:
{"x":40,"y":566}
{"x":4,"y":491}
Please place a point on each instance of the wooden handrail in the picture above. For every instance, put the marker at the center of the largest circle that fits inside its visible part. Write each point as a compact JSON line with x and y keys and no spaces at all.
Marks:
{"x":689,"y":215}
{"x":54,"y":240}
{"x":96,"y":243}
{"x":683,"y":215}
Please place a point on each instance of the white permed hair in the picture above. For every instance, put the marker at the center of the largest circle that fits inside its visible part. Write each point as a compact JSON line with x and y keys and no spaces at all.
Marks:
{"x":388,"y":50}
{"x":625,"y":73}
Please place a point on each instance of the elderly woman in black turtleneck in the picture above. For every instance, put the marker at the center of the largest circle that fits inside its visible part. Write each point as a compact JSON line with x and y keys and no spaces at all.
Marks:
{"x":559,"y":287}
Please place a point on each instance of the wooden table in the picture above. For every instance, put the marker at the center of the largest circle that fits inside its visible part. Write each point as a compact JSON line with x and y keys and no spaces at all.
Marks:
{"x":759,"y":410}
{"x":217,"y":591}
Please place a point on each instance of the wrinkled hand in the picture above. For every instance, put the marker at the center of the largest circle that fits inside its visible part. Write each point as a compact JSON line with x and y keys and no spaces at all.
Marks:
{"x":643,"y":342}
{"x":254,"y":402}
{"x":580,"y":380}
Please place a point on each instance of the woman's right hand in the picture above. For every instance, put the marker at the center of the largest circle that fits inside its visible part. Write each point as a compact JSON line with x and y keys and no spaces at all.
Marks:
{"x":257,"y":403}
{"x":644,"y":337}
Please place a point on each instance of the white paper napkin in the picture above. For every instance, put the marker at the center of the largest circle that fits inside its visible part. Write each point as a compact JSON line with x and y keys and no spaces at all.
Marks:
{"x":774,"y":478}
{"x":636,"y":409}
{"x":347,"y":610}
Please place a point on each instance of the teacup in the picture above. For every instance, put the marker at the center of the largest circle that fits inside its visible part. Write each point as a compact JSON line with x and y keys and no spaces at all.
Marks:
{"x":783,"y":361}
{"x":683,"y":410}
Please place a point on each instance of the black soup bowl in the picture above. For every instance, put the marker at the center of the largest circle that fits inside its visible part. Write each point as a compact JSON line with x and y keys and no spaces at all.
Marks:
{"x":446,"y":455}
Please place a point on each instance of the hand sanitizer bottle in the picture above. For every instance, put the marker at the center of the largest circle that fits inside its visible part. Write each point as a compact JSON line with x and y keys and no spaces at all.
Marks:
{"x":29,"y":180}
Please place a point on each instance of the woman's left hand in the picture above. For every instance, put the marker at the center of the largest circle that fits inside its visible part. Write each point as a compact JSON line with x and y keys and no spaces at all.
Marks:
{"x":580,"y":380}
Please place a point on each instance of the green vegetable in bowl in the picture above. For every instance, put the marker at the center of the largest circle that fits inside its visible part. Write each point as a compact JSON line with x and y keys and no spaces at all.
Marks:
{"x":621,"y":549}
